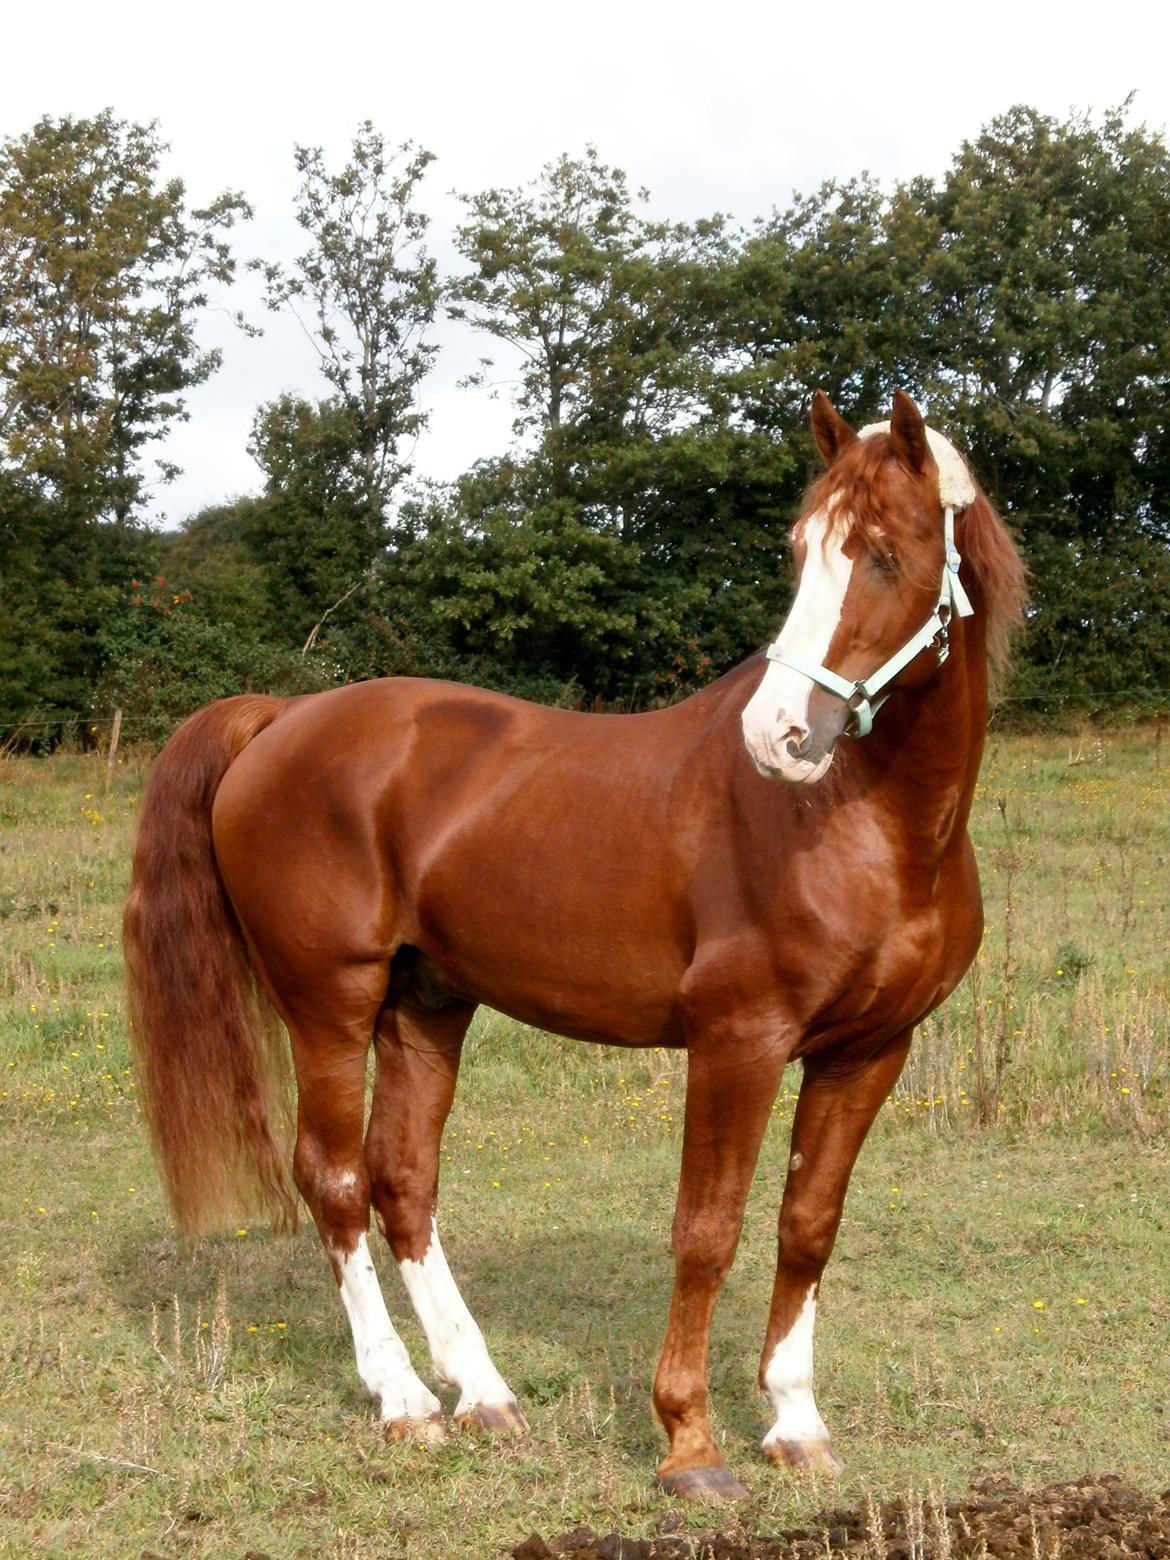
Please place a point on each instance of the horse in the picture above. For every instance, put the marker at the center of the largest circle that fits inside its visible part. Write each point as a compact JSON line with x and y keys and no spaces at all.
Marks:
{"x":775,"y":868}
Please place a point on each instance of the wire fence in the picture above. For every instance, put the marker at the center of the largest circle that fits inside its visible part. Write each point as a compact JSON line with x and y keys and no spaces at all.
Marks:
{"x":94,"y":730}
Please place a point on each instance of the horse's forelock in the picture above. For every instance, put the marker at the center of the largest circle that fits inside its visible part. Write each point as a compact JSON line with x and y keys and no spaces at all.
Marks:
{"x":956,"y":486}
{"x":855,"y":498}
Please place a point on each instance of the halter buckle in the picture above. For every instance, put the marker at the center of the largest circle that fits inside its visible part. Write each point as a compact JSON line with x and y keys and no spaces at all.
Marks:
{"x":941,"y":643}
{"x":862,"y":710}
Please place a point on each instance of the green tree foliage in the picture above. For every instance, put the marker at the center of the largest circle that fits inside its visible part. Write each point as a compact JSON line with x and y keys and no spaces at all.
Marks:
{"x":825,"y":294}
{"x":521,"y":586}
{"x":631,"y":543}
{"x":1024,"y":297}
{"x":103,"y":272}
{"x":312,"y":526}
{"x":626,"y":400}
{"x":58,"y":585}
{"x":365,"y":292}
{"x":170,"y":649}
{"x":1047,"y":331}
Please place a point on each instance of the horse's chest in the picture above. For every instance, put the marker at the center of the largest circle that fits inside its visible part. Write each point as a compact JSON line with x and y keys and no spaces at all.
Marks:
{"x":885,"y":973}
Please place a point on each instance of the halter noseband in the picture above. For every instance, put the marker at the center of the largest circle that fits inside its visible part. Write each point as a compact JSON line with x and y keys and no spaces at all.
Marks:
{"x":861,"y":696}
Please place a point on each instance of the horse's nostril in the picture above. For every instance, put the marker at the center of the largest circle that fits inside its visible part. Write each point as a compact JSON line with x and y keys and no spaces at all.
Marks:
{"x":801,"y":749}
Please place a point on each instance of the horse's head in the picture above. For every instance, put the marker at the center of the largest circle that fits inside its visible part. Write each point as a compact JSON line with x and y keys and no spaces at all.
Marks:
{"x":877,"y":583}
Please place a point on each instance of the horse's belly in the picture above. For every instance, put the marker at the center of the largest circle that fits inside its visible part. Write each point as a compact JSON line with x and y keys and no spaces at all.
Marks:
{"x":591,"y":977}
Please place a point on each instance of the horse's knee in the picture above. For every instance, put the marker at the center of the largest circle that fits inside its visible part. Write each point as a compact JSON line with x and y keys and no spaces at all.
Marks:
{"x":806,"y":1237}
{"x":703,"y":1249}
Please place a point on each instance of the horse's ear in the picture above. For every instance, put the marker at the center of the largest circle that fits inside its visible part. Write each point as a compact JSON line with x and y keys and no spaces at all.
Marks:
{"x":829,"y":428}
{"x":908,"y":434}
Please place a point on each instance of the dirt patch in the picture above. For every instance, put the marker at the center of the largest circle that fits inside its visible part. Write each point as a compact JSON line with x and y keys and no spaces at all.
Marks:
{"x":1092,"y":1518}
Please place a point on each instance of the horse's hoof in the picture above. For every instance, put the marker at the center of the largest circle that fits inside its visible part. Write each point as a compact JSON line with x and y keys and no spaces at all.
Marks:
{"x":496,"y":1418}
{"x":426,"y":1432}
{"x":818,"y":1456}
{"x":702,"y":1484}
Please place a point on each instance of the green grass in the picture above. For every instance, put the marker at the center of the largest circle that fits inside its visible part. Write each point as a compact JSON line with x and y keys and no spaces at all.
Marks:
{"x":996,"y":1303}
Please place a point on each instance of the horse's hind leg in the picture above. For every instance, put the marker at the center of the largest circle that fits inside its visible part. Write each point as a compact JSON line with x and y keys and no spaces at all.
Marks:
{"x":330,"y":1170}
{"x":839,"y":1099}
{"x":418,"y":1052}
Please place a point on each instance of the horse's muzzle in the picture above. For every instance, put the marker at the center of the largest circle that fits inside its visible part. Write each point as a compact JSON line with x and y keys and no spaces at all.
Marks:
{"x":795,"y":762}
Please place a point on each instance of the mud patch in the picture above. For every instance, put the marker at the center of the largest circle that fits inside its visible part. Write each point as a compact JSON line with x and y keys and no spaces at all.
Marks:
{"x":1096,"y":1517}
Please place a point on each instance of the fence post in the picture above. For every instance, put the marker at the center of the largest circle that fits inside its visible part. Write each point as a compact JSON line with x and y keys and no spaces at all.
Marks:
{"x":112,"y":755}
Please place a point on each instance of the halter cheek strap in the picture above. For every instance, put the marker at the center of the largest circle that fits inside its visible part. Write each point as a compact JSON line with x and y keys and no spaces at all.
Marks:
{"x":861,"y":697}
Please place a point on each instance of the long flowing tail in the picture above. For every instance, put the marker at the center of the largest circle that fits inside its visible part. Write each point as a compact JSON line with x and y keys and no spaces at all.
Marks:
{"x":212,"y":1062}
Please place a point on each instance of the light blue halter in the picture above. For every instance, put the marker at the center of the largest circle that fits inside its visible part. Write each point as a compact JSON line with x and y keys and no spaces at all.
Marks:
{"x":861,"y":697}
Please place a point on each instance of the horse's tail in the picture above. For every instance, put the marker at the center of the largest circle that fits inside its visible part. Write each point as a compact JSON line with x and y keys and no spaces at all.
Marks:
{"x":211,"y":1061}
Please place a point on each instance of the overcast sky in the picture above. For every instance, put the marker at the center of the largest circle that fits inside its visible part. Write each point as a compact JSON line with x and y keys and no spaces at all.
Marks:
{"x":722,"y":106}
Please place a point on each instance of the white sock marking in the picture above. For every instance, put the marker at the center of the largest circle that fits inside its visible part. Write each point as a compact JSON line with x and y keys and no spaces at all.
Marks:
{"x":788,"y":1382}
{"x":457,"y":1348}
{"x":780,"y":703}
{"x":382,"y":1360}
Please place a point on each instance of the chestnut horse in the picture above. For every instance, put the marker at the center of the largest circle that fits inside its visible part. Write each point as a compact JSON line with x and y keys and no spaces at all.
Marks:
{"x":383,"y":857}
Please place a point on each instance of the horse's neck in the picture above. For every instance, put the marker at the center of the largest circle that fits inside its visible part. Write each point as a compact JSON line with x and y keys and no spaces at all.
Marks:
{"x":930,"y":749}
{"x":920,"y":762}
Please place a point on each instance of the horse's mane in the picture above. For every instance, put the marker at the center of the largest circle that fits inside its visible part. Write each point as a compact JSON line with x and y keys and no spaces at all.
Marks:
{"x":854,"y":490}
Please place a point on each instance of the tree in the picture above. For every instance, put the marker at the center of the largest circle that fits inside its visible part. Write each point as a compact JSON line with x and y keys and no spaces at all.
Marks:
{"x":627,"y":394}
{"x":365,"y":293}
{"x":543,"y":265}
{"x":520,"y":587}
{"x":1048,"y":322}
{"x":58,"y":586}
{"x":103,"y":273}
{"x":312,"y":527}
{"x":607,"y":309}
{"x":824,"y":296}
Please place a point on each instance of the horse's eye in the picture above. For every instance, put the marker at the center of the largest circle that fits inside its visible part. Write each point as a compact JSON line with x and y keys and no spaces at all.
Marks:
{"x":883,"y":561}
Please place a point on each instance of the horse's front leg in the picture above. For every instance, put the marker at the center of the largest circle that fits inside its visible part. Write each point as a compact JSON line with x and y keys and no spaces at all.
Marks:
{"x":730,"y":1089}
{"x":839,"y":1099}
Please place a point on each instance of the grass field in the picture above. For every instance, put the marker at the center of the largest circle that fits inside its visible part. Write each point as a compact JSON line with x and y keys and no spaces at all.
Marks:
{"x":998,"y":1302}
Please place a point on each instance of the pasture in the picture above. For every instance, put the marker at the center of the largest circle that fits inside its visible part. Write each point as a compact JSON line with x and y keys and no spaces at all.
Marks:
{"x":997,"y":1302}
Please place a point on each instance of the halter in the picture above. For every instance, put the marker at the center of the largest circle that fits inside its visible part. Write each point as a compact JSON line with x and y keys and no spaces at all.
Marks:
{"x":861,"y":696}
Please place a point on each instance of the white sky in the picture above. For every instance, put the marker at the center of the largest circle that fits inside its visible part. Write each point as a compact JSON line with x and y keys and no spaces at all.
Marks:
{"x":724,"y":106}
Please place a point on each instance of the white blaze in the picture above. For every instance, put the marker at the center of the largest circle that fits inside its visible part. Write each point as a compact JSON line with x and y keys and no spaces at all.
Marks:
{"x":777,"y":712}
{"x":457,"y":1348}
{"x":382,"y":1360}
{"x":788,"y":1382}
